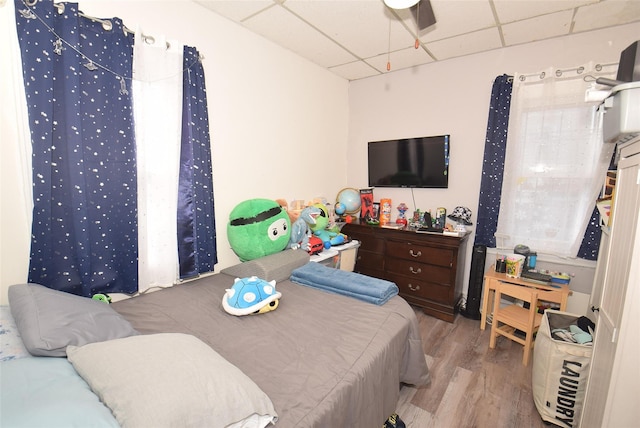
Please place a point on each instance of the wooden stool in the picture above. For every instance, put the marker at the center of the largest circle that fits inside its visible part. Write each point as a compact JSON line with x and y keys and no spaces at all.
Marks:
{"x":513,"y":317}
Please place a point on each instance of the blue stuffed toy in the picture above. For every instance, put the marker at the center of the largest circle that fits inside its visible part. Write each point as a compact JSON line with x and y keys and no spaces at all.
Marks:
{"x":300,"y":229}
{"x":251,"y":296}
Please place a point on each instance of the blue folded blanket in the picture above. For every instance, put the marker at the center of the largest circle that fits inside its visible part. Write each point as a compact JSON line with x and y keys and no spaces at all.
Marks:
{"x":366,"y":288}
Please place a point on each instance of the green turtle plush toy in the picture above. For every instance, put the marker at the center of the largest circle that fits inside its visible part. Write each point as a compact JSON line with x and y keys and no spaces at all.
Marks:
{"x":257,"y":228}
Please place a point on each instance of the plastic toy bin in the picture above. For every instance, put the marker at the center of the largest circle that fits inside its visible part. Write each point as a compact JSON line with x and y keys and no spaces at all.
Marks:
{"x":341,"y":257}
{"x":560,"y":371}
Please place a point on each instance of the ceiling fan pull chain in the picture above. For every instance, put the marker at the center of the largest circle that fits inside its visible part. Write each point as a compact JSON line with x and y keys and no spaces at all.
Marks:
{"x":389,"y":49}
{"x":416,"y":45}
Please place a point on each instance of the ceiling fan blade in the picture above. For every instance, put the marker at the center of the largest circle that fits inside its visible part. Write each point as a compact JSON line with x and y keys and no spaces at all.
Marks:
{"x":423,"y":14}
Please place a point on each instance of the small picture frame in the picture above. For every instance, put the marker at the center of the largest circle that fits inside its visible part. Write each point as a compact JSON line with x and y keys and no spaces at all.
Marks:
{"x":366,"y":203}
{"x":375,"y":212}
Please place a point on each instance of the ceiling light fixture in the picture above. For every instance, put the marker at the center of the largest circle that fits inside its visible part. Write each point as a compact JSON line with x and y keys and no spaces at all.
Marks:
{"x":400,"y":4}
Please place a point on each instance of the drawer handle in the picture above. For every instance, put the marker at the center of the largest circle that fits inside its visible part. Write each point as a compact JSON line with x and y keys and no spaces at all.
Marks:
{"x":418,"y":254}
{"x":415,"y":271}
{"x":414,"y":287}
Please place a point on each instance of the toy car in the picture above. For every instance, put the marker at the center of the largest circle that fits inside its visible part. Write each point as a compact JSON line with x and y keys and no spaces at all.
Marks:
{"x":315,"y":245}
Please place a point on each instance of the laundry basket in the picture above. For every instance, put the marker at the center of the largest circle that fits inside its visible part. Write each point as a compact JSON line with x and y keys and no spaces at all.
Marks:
{"x":560,"y":371}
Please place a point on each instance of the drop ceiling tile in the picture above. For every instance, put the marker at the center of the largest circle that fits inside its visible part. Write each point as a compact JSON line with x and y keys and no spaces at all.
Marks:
{"x":607,"y":13}
{"x":354,"y":70}
{"x":286,"y":29}
{"x":538,"y":28}
{"x":465,"y":44}
{"x":361,"y":26}
{"x":335,"y":34}
{"x":516,"y":10}
{"x":404,"y":58}
{"x":458,"y":17}
{"x":236,"y":10}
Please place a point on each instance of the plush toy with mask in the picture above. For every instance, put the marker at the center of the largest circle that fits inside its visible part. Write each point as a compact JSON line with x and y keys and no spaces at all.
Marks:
{"x":257,"y":228}
{"x":329,"y":237}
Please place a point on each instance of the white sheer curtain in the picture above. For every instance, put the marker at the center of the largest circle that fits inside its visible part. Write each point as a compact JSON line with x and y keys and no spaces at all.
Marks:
{"x":157,"y":94}
{"x":157,"y":85}
{"x":555,"y":163}
{"x":15,"y":142}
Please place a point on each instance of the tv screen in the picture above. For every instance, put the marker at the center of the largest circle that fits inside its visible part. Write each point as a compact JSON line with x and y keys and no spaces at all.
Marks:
{"x":410,"y":162}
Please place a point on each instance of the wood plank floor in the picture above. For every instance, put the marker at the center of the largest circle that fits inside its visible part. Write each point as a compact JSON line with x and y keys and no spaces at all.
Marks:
{"x":471,"y":385}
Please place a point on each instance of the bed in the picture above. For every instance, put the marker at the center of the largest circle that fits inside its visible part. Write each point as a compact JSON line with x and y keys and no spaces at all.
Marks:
{"x":320,"y":359}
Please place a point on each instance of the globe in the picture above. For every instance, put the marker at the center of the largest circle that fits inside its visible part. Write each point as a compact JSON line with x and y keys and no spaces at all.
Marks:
{"x":350,"y":198}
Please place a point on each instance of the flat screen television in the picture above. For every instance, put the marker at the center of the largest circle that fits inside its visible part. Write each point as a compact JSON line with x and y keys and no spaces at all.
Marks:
{"x":410,"y":162}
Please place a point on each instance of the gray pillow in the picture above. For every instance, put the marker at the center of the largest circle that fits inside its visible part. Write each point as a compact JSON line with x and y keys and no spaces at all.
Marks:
{"x":276,"y":266}
{"x":50,"y":320}
{"x":171,"y":380}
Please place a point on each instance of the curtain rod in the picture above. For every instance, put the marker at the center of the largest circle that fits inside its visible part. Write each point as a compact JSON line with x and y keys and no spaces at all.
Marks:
{"x":579,"y":70}
{"x":106,"y":23}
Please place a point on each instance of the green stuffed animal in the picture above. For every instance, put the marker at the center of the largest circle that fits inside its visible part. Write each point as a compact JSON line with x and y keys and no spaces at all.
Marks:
{"x":329,"y":237}
{"x":257,"y":228}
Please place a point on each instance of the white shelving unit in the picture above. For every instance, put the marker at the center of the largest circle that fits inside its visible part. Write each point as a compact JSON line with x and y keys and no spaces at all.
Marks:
{"x":611,"y":398}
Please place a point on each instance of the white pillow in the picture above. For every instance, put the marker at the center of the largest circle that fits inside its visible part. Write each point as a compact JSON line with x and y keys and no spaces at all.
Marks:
{"x":170,"y":379}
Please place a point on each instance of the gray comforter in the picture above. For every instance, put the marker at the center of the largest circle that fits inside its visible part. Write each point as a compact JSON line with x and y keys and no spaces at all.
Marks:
{"x":325,"y":360}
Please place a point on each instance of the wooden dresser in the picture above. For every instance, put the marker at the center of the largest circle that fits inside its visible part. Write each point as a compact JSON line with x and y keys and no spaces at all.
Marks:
{"x":427,"y":267}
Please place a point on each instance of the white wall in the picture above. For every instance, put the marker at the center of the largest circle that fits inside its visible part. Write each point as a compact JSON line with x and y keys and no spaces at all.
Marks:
{"x":278,"y":122}
{"x":282,"y":127}
{"x":452,"y":97}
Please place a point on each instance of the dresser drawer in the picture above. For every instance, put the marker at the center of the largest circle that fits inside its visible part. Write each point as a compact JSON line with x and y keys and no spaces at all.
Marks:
{"x":368,"y":240}
{"x":371,"y":243}
{"x":426,"y":267}
{"x":419,"y":253}
{"x":369,"y":260}
{"x":419,"y":271}
{"x":417,"y":288}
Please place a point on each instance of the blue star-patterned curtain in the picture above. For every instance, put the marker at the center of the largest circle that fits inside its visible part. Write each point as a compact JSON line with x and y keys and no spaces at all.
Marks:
{"x":84,"y":236}
{"x":78,"y":77}
{"x":196,"y":221}
{"x":495,"y":147}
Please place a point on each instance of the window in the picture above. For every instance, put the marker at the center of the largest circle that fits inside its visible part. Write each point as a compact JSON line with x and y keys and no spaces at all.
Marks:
{"x":555,"y":164}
